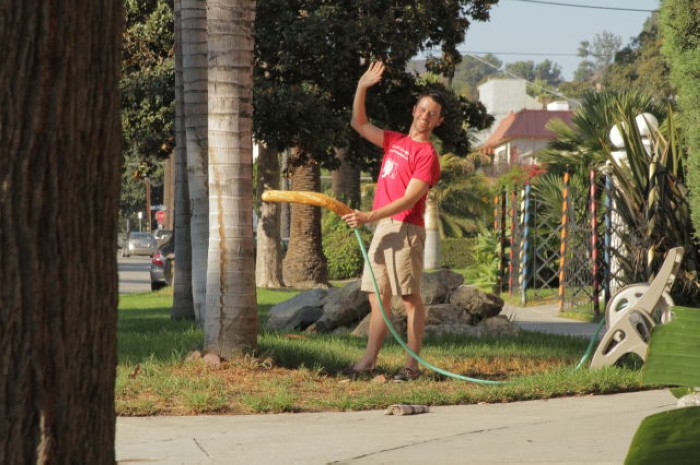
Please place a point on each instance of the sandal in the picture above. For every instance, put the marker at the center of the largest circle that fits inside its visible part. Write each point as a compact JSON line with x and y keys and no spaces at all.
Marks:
{"x":407,"y":374}
{"x":352,"y":373}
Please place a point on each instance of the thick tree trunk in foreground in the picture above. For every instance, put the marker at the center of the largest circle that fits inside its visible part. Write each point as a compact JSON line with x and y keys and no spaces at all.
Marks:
{"x":59,"y":193}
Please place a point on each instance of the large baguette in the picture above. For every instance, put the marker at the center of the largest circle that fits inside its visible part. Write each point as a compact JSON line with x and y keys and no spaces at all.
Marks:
{"x":308,"y":198}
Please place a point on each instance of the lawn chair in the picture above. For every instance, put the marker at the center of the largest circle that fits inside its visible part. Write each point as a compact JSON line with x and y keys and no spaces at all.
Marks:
{"x":634,"y":310}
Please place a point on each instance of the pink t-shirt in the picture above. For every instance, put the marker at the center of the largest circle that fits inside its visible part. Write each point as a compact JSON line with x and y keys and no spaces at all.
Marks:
{"x":405,"y":159}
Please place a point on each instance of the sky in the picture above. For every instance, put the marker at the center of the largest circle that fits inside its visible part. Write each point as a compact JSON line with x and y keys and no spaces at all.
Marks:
{"x":533,"y":30}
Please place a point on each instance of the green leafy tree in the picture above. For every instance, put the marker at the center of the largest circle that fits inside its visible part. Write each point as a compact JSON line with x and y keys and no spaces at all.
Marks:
{"x":680,"y":27}
{"x":473,"y":71}
{"x":596,"y":56}
{"x":304,"y":93}
{"x":146,"y":88}
{"x":640,"y":66}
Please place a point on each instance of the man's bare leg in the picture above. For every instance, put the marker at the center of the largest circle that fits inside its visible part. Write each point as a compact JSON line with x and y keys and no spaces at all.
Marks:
{"x":415,"y":326}
{"x":377,"y":332}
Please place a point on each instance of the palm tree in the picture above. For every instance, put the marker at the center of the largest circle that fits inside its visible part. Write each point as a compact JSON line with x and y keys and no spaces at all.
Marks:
{"x":579,"y":148}
{"x":650,"y":188}
{"x":305,"y":266}
{"x":183,"y":306}
{"x":268,"y":262}
{"x":230,"y":323}
{"x":194,"y":76}
{"x":456,"y":206}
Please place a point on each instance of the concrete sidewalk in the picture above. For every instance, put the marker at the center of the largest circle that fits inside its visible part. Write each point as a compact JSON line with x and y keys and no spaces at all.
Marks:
{"x":574,"y":430}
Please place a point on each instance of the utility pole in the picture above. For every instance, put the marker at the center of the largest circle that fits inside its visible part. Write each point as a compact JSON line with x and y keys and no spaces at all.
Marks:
{"x":147,"y":180}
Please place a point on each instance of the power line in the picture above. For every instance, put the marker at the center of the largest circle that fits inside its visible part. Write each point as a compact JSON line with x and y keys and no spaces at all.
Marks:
{"x":593,"y":7}
{"x":533,"y":54}
{"x":513,"y":75}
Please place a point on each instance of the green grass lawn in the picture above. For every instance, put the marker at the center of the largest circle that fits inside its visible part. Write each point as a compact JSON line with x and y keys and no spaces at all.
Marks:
{"x":301,"y":372}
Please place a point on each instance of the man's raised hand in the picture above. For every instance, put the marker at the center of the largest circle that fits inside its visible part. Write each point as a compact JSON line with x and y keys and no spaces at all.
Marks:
{"x":373,"y":74}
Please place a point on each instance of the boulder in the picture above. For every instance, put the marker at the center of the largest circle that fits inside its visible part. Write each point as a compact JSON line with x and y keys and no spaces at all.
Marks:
{"x":480,"y":305}
{"x":297,"y":313}
{"x":343,"y":306}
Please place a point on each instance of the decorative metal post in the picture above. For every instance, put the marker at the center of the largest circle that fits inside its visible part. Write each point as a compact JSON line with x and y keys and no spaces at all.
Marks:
{"x":564,"y":240}
{"x":525,"y":249}
{"x":594,"y":245}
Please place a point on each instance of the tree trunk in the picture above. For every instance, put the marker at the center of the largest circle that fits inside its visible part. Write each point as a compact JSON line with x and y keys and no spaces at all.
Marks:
{"x":285,"y":208}
{"x":268,"y":263}
{"x":346,"y":180}
{"x":431,"y":254}
{"x":59,"y":195}
{"x":231,"y":319}
{"x":305,"y":265}
{"x":194,"y":76}
{"x":169,"y":192}
{"x":183,"y":304}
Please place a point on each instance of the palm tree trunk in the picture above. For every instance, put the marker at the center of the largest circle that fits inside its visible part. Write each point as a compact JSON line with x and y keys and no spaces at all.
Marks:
{"x":431,"y":254}
{"x":268,"y":263}
{"x":183,"y":305}
{"x":230,"y":323}
{"x":305,"y":265}
{"x":194,"y":76}
{"x":346,"y":180}
{"x":60,"y":172}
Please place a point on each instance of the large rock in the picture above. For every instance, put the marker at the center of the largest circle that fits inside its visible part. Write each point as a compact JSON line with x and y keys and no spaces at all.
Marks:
{"x":343,"y":306}
{"x":437,"y":286}
{"x":297,"y":313}
{"x":479,"y":304}
{"x":451,"y":308}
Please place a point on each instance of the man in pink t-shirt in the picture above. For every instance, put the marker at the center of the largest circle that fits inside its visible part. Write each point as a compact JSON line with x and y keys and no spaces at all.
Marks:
{"x":409,"y":168}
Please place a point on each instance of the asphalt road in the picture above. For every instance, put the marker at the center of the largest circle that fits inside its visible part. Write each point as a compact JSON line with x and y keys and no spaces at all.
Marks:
{"x":134,"y":274}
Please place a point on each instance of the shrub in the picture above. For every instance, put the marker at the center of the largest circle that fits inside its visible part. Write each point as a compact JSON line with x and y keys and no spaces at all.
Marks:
{"x":341,"y":249}
{"x":457,"y":253}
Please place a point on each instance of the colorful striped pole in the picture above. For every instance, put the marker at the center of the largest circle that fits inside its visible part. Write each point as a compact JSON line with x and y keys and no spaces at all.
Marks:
{"x":502,"y":252}
{"x":607,"y":254}
{"x":564,"y":240}
{"x":511,"y":252}
{"x":525,"y":249}
{"x":594,"y":245}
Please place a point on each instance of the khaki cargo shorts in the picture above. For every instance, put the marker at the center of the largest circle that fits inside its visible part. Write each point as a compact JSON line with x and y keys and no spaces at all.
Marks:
{"x":396,"y":257}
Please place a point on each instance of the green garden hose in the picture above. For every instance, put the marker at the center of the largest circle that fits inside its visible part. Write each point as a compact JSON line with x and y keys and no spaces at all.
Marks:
{"x":321,"y":200}
{"x":425,"y":363}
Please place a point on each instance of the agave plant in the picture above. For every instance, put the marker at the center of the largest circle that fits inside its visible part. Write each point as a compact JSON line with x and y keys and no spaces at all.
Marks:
{"x":580,"y":147}
{"x":651,"y":195}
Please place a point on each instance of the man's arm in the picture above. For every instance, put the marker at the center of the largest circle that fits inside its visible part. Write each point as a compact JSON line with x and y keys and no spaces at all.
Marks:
{"x":359,"y":121}
{"x":414,"y":191}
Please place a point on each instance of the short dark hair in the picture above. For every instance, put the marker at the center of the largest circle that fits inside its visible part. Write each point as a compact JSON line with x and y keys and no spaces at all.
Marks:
{"x":436,"y":97}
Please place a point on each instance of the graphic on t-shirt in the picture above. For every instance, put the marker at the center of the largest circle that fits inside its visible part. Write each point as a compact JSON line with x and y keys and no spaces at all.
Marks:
{"x":389,"y":170}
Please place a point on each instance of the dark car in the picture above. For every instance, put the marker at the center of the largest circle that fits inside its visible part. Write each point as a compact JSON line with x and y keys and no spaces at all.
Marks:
{"x":162,"y":262}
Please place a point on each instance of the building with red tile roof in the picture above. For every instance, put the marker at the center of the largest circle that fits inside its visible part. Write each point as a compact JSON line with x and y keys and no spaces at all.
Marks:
{"x":520,"y":135}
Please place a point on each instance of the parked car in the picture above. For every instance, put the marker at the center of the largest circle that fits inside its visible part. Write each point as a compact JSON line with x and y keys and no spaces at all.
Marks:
{"x":162,"y":235}
{"x":162,"y":262}
{"x":140,"y":243}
